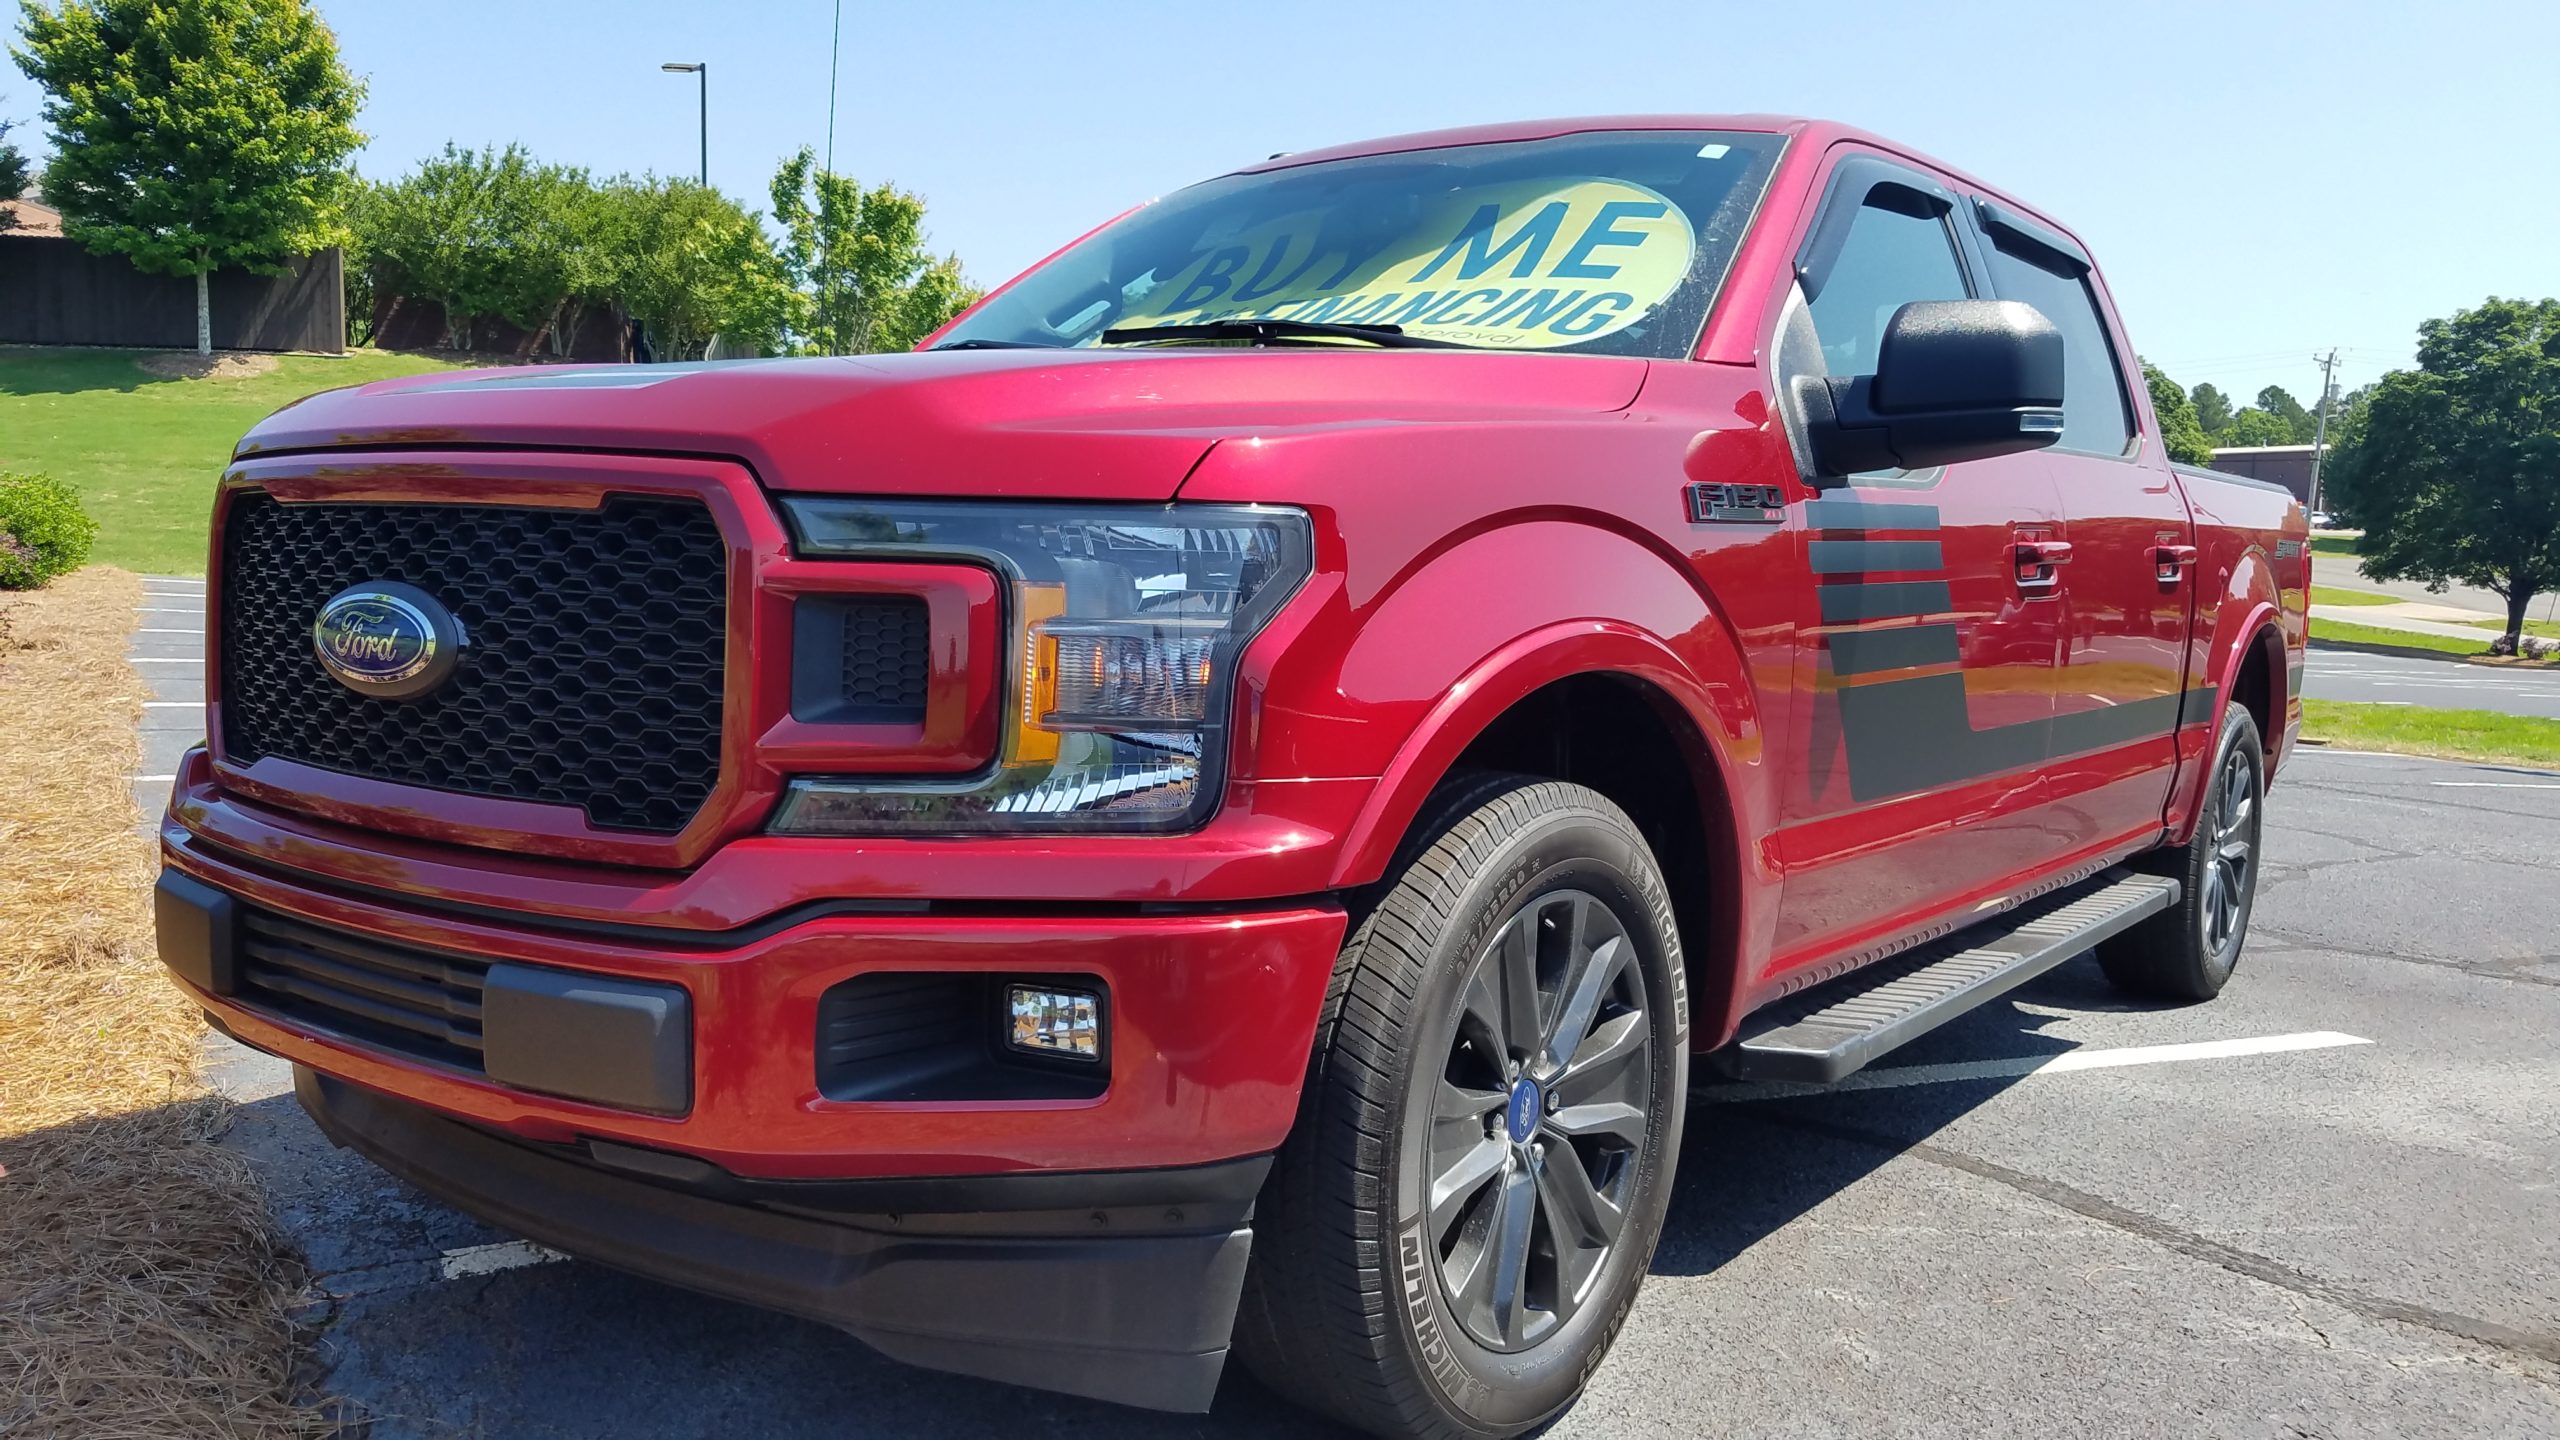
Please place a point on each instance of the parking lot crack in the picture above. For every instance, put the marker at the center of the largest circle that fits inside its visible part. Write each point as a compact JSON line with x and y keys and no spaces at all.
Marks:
{"x":2490,"y":1333}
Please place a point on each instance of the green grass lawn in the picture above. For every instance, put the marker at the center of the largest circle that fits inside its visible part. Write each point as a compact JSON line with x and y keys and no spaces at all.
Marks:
{"x":144,"y":452}
{"x":2336,"y":544}
{"x":2455,"y":734}
{"x":2547,"y":628}
{"x":2335,"y":595}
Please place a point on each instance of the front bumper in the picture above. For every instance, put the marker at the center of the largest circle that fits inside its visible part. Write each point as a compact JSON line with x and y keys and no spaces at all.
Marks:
{"x":1212,"y":1015}
{"x":1121,"y":1287}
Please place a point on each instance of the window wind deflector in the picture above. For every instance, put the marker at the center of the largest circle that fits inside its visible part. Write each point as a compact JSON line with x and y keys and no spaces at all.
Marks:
{"x":2036,"y":244}
{"x":1265,"y":332}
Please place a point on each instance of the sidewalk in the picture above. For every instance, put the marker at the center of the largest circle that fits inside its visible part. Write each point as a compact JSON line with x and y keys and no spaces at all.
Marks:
{"x":2417,"y":617}
{"x":168,"y":650}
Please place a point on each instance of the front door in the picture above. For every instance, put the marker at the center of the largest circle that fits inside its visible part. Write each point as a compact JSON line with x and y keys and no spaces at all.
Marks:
{"x":1935,"y":674}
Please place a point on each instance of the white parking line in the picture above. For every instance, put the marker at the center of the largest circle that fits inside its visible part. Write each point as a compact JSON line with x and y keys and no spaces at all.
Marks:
{"x":170,"y":609}
{"x":489,"y":1259}
{"x":172,"y":704}
{"x":168,"y":630}
{"x":165,"y":659}
{"x":2020,"y":1067}
{"x":154,"y":779}
{"x":2490,"y":785}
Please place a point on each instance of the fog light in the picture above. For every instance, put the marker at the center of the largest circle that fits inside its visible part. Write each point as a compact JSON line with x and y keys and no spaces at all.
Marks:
{"x":1064,"y":1023}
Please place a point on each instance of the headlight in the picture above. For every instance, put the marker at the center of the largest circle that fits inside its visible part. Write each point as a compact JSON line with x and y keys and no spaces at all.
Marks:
{"x":1125,"y":623}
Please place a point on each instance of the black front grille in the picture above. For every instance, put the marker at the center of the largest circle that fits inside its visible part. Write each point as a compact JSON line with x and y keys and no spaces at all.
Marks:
{"x":592,"y":676}
{"x":415,"y":1002}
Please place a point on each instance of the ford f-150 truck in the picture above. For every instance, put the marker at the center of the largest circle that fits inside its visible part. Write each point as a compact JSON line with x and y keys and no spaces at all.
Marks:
{"x":1219,"y":803}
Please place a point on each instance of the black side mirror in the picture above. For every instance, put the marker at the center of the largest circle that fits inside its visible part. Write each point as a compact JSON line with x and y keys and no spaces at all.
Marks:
{"x":1955,"y":380}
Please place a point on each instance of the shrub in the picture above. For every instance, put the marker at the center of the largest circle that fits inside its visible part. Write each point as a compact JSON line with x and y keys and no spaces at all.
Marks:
{"x":43,"y":531}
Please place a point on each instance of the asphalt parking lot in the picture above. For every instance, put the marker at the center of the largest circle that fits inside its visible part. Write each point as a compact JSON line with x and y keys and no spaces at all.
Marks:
{"x":2327,"y":1204}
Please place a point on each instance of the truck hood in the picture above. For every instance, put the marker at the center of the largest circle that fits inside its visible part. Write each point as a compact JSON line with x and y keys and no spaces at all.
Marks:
{"x":1099,"y":425}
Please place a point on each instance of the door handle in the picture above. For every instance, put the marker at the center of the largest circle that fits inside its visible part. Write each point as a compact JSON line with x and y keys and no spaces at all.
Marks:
{"x":2170,"y":562}
{"x":2039,"y":562}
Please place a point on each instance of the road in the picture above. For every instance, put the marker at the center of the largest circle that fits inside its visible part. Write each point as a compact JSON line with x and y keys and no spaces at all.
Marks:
{"x":2326,"y":1204}
{"x":2445,"y":684}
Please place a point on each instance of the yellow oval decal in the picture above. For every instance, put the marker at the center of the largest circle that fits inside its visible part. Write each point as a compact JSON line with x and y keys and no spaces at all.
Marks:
{"x":1529,"y":265}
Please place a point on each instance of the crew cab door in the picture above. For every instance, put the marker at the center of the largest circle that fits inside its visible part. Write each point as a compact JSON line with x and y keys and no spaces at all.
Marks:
{"x":2128,"y":588}
{"x":1936,"y":654}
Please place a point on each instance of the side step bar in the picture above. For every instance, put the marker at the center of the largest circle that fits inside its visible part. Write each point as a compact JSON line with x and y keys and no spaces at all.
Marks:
{"x":1842,"y":1025}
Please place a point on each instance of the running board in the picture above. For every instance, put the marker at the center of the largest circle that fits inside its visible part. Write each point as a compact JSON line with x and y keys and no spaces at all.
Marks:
{"x":1840,"y":1026}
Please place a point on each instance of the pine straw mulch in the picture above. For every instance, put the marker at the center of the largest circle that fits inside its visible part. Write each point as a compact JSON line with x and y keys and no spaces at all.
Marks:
{"x":142,"y":1290}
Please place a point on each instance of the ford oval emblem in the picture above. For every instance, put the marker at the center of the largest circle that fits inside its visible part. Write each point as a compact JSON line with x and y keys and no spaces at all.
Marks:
{"x":387,"y":640}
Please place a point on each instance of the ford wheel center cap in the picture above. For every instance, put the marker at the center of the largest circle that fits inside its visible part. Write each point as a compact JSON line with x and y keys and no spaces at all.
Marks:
{"x":387,"y":641}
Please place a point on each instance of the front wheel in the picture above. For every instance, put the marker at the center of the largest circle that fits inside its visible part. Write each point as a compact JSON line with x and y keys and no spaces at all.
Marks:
{"x":1462,"y":1215}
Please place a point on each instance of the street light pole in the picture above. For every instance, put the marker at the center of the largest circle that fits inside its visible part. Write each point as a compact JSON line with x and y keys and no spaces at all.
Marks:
{"x":701,"y":71}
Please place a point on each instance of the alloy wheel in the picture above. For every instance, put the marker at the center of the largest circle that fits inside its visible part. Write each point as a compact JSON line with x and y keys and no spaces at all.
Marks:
{"x":1541,"y":1110}
{"x":2231,"y":870}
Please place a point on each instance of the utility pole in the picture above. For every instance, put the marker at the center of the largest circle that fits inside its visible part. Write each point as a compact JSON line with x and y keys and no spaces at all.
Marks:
{"x":2320,"y":432}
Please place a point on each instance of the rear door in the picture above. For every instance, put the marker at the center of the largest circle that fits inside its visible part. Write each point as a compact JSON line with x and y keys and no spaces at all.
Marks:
{"x":2128,"y":585}
{"x":1935,"y":671}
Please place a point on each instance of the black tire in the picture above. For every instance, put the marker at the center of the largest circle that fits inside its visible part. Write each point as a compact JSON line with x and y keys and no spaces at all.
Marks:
{"x":2188,"y":951}
{"x":1349,"y":1307}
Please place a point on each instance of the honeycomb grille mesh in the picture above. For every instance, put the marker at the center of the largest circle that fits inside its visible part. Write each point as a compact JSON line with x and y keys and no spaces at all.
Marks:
{"x":592,"y":675}
{"x":884,"y":657}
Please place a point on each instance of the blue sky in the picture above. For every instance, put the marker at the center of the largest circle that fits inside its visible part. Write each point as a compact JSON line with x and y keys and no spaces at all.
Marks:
{"x":2258,"y":180}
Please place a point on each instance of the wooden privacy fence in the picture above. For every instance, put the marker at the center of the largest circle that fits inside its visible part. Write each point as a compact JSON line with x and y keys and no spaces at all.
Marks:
{"x":54,"y":292}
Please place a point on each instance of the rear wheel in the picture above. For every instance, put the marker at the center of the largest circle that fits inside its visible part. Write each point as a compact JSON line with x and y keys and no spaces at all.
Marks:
{"x":2189,"y":951}
{"x":1468,"y":1203}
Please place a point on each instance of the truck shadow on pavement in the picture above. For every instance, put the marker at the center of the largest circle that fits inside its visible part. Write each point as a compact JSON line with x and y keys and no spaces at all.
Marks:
{"x":572,"y":1349}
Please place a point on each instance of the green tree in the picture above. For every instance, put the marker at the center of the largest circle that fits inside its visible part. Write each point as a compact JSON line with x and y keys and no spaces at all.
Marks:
{"x":482,"y":232}
{"x":13,"y":174}
{"x":2298,"y":422}
{"x":2254,"y":426}
{"x":2179,"y":431}
{"x":2213,"y":410}
{"x":2453,"y":469}
{"x":857,"y":262}
{"x":692,"y":263}
{"x":191,"y":134}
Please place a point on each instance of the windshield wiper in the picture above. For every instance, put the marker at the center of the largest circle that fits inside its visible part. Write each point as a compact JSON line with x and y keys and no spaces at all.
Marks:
{"x":975,"y":344}
{"x":1266,"y":331}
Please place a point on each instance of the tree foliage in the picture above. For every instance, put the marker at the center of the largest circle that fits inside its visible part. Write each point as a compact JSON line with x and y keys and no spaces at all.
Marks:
{"x":2179,"y":431}
{"x":2254,"y":426}
{"x":13,"y":173}
{"x":498,"y":233}
{"x":857,"y":262}
{"x":2299,"y":423}
{"x":2213,"y":410}
{"x":2453,"y":469}
{"x":193,"y":134}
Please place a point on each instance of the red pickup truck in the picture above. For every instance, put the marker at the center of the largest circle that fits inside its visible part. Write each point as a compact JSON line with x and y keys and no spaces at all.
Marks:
{"x":1218,"y":802}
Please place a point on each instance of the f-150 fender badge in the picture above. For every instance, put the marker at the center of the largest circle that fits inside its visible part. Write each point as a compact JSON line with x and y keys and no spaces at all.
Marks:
{"x":1711,"y":503}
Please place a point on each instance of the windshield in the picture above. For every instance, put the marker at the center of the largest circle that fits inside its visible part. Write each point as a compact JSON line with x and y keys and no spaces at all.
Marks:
{"x":1610,"y":242}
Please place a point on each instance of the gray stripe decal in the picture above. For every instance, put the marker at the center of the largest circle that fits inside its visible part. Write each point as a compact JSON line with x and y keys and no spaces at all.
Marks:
{"x":1842,"y":604}
{"x":1863,"y":557}
{"x":1864,"y":652}
{"x":1869,"y":515}
{"x":1907,"y":735}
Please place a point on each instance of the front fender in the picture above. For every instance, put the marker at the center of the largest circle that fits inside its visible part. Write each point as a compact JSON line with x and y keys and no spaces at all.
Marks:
{"x":1477,"y":628}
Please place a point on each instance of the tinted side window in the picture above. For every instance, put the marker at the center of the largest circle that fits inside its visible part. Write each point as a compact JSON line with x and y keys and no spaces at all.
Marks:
{"x":1888,"y":260}
{"x":2094,"y":419}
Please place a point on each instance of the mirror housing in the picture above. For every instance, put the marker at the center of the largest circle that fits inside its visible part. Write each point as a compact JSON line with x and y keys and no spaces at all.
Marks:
{"x":1955,"y":380}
